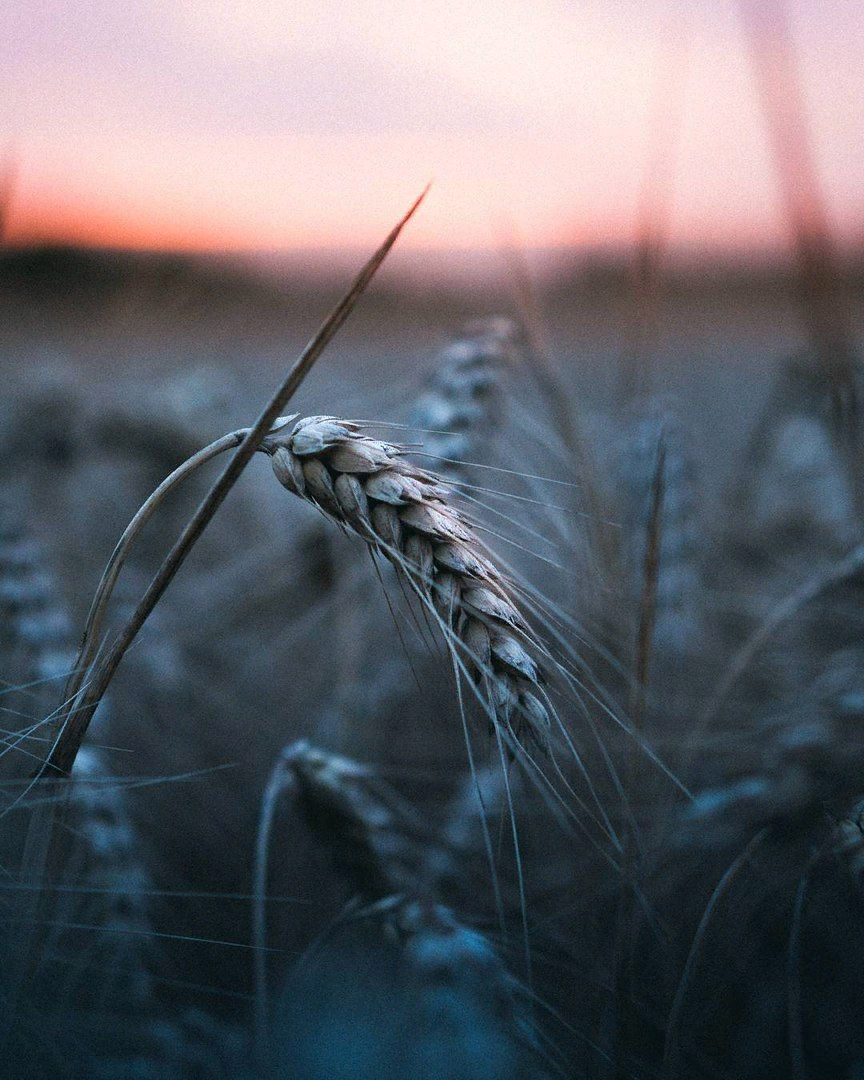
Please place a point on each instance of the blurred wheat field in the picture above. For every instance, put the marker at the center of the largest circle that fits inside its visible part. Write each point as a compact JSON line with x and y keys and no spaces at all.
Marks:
{"x":671,"y":888}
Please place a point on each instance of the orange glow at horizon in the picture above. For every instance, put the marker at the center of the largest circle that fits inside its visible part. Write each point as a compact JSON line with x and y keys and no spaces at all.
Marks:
{"x":222,"y":126}
{"x":59,"y":223}
{"x":85,"y":226}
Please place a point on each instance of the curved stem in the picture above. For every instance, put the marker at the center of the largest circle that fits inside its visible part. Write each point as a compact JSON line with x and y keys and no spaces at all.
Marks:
{"x":671,"y":1047}
{"x":280,"y":780}
{"x":789,"y":606}
{"x":93,"y":626}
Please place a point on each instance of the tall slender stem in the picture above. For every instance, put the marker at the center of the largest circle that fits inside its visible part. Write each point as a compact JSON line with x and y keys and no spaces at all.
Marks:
{"x":78,"y":712}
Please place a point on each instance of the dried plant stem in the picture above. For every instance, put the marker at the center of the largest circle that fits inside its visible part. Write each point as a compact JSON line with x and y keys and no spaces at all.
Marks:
{"x":95,"y":617}
{"x":76,"y":715}
{"x":539,"y":365}
{"x":578,"y":455}
{"x":280,"y":778}
{"x":672,"y":1046}
{"x":648,"y":602}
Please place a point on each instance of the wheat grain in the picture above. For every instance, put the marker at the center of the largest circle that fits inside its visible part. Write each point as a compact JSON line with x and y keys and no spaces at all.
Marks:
{"x":407,"y":516}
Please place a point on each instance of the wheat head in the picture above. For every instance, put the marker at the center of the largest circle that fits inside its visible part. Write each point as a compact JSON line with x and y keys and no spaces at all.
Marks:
{"x":407,"y":516}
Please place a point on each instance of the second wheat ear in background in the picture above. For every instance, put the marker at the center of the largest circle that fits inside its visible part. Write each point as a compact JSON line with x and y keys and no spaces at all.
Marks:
{"x":407,"y":516}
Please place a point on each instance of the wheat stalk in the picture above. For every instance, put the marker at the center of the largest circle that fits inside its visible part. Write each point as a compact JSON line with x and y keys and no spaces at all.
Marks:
{"x":376,"y":839}
{"x":391,"y":855}
{"x":406,"y":515}
{"x":77,"y":712}
{"x":462,"y":399}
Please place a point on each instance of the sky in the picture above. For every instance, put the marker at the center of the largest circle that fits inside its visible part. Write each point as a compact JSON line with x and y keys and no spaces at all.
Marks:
{"x":284,"y":124}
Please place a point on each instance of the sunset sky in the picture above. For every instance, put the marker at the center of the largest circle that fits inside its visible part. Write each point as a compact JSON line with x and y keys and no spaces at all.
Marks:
{"x":275,"y":124}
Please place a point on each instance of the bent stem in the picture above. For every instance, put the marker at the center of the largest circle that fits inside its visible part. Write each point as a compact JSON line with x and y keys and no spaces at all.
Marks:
{"x":280,"y":780}
{"x":648,"y":600}
{"x":95,"y":617}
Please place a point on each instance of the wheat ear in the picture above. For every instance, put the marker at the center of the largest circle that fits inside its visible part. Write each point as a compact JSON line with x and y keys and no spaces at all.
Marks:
{"x":462,"y":400}
{"x":406,"y":515}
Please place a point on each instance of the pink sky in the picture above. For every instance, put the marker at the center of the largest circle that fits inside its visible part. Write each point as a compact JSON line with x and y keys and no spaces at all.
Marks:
{"x":257,"y":124}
